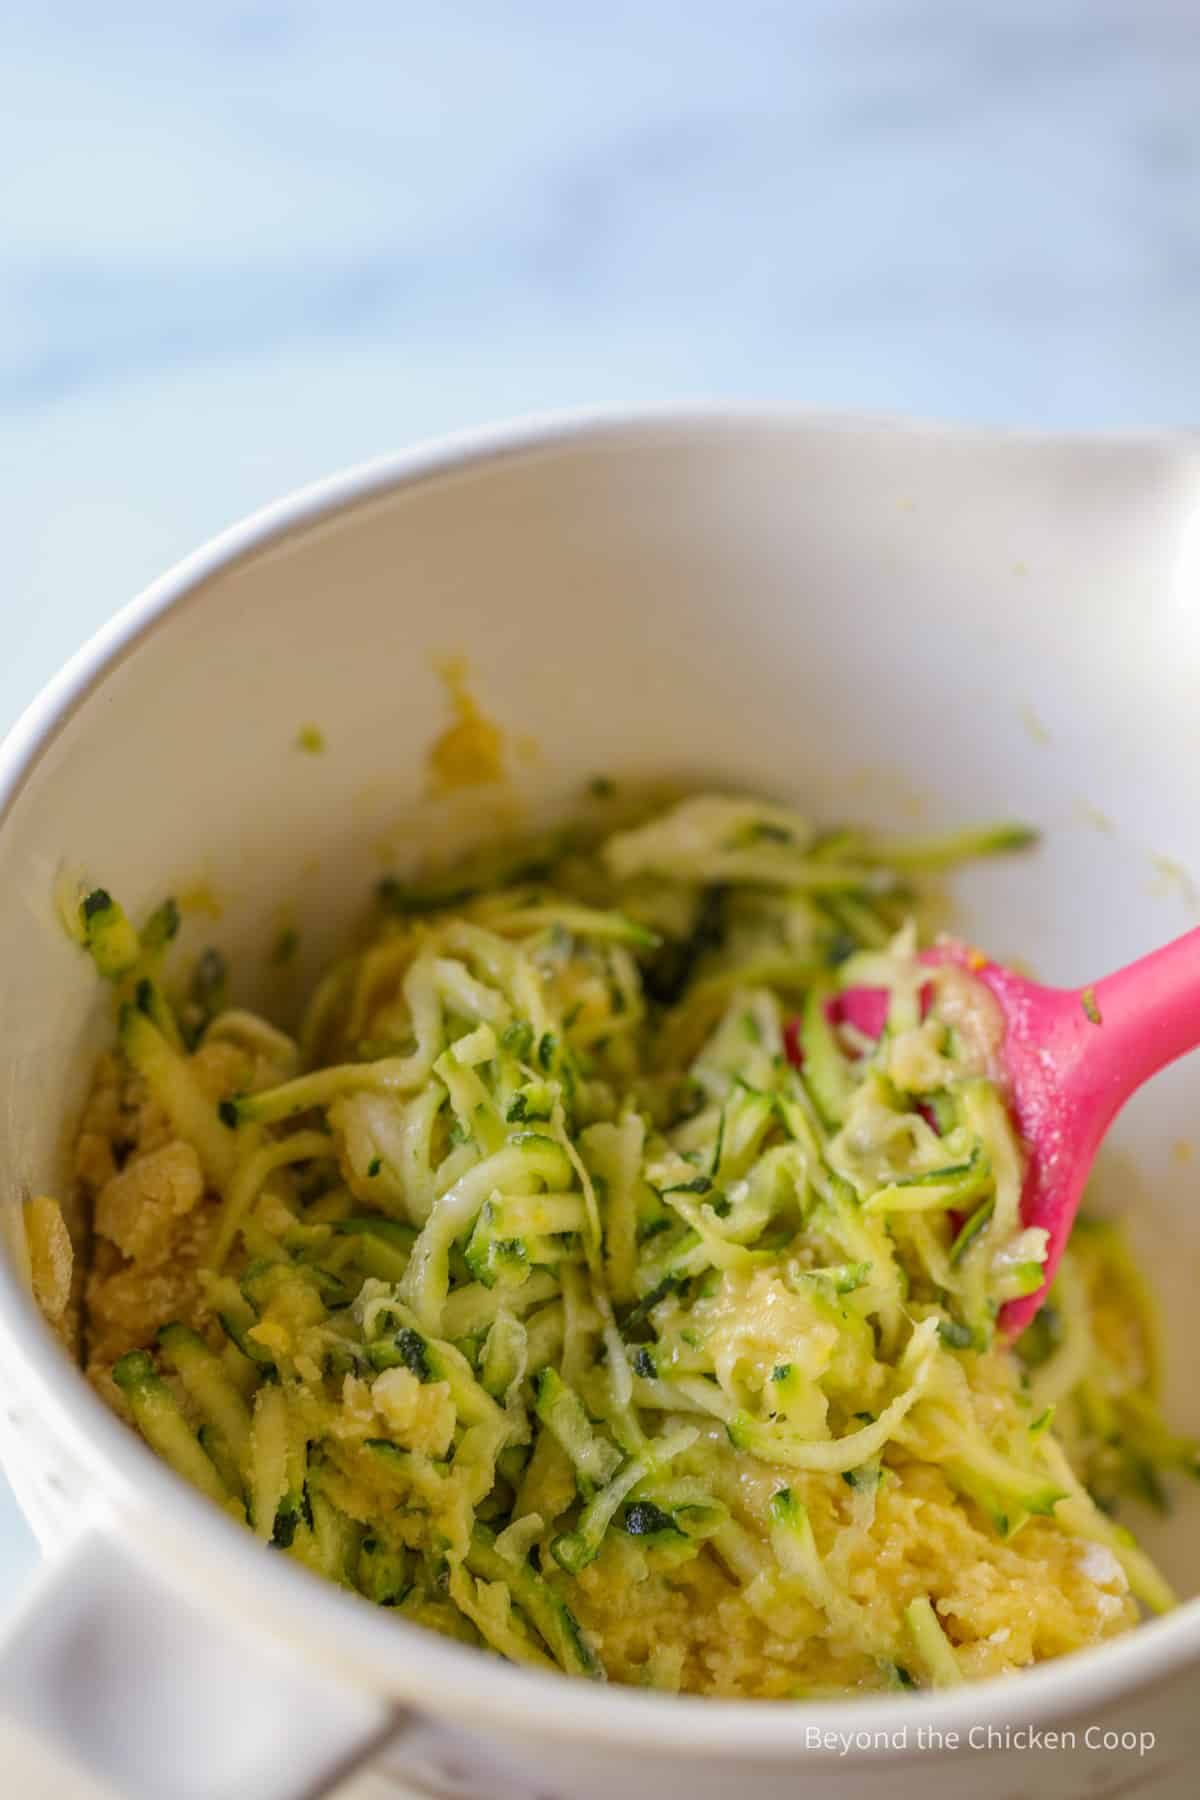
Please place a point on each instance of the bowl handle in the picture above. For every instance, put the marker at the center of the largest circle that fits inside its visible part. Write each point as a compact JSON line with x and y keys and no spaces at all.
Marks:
{"x":156,"y":1700}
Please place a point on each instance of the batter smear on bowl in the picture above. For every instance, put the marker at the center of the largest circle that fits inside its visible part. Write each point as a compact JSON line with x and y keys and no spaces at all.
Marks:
{"x":586,"y":1280}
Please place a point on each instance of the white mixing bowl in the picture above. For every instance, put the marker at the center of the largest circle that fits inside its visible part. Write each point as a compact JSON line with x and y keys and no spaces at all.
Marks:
{"x":873,"y":620}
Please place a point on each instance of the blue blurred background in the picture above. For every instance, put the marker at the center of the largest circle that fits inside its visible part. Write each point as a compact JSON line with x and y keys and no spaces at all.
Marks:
{"x":244,"y":244}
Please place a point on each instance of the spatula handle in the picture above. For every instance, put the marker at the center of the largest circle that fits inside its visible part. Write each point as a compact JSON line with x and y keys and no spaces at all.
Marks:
{"x":1145,"y":1015}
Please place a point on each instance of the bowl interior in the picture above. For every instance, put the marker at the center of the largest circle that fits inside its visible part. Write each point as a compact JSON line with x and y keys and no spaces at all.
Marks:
{"x":909,"y":627}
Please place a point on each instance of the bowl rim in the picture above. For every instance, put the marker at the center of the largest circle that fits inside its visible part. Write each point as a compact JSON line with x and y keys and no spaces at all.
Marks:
{"x":211,"y":1559}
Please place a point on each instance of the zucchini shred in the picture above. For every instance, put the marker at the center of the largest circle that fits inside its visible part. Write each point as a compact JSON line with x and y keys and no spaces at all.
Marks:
{"x":586,"y":1282}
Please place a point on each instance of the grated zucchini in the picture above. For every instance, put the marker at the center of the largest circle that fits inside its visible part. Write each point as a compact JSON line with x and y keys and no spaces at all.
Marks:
{"x":580,"y":1248}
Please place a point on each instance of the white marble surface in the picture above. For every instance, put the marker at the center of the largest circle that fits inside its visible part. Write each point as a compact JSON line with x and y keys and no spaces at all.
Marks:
{"x":244,"y":244}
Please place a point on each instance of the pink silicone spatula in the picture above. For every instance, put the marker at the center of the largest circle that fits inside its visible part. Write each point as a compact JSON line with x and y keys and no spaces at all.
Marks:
{"x":1073,"y":1057}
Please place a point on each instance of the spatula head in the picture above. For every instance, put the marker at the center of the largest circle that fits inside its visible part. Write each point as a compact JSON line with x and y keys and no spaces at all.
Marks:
{"x":1060,"y":1126}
